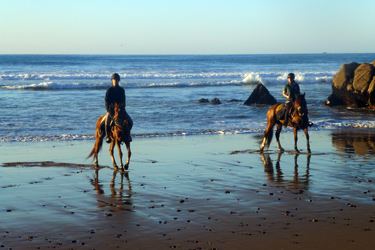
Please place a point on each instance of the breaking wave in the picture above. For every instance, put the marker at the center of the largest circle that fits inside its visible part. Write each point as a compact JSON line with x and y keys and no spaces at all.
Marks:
{"x":151,"y":80}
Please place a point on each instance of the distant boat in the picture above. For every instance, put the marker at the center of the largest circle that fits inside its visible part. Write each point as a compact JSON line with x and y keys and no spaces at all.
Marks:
{"x":325,"y":53}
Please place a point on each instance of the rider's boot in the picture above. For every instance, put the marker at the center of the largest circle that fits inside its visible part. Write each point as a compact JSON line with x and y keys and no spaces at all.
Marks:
{"x":285,"y":122}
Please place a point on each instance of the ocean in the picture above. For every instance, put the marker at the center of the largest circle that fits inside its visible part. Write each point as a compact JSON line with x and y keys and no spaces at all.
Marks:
{"x":60,"y":97}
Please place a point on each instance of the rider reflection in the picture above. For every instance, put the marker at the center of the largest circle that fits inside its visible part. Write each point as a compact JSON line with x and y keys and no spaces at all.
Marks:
{"x":297,"y":181}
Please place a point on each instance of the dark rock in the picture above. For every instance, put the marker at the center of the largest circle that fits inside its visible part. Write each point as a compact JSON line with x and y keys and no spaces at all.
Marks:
{"x":215,"y":101}
{"x":203,"y":100}
{"x":235,"y":100}
{"x":260,"y":95}
{"x":332,"y":100}
{"x":353,"y":86}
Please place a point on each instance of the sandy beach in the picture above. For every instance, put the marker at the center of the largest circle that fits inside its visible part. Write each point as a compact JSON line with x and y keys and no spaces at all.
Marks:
{"x":193,"y":192}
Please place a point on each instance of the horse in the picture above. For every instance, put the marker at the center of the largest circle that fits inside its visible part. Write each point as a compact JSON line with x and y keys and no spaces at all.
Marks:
{"x":120,"y":133}
{"x":299,"y":120}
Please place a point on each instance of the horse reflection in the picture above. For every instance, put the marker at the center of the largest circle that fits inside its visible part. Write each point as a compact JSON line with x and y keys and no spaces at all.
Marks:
{"x":119,"y":198}
{"x":297,"y":182}
{"x":121,"y":188}
{"x":95,"y":182}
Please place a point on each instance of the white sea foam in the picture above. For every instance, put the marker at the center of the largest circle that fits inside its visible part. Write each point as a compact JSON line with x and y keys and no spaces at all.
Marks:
{"x":252,"y":78}
{"x":323,"y":79}
{"x":299,"y":77}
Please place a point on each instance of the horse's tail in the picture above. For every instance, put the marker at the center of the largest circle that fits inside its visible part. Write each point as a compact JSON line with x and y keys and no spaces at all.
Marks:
{"x":96,"y":149}
{"x":99,"y":139}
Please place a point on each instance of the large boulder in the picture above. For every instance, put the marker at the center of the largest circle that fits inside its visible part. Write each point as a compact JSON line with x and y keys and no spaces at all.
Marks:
{"x":354,"y":86}
{"x":260,"y":95}
{"x":362,"y":77}
{"x":371,"y":93}
{"x":343,"y":80}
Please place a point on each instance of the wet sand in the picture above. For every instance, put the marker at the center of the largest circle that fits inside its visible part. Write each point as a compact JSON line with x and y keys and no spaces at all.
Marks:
{"x":195,"y":192}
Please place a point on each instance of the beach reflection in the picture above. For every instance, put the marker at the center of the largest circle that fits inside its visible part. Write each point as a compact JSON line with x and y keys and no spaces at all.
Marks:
{"x":276,"y":175}
{"x":120,"y":197}
{"x":360,"y":142}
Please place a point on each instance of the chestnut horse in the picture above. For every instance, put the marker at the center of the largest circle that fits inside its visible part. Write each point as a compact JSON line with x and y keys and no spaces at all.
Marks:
{"x":120,"y":132}
{"x":299,"y":120}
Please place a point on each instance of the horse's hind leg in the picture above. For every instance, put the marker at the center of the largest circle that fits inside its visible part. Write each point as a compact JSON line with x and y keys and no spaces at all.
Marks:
{"x":267,"y":137}
{"x":278,"y":130}
{"x":307,"y":139}
{"x":263,"y":142}
{"x":129,"y":154}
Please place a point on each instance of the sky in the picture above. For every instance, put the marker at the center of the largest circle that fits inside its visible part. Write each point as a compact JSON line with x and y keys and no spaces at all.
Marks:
{"x":186,"y":26}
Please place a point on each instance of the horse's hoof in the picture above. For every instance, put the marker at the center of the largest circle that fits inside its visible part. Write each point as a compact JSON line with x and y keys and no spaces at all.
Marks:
{"x":115,"y":167}
{"x":126,"y":166}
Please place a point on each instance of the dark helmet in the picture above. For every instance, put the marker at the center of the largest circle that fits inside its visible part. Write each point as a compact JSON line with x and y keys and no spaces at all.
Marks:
{"x":115,"y":76}
{"x":291,"y":75}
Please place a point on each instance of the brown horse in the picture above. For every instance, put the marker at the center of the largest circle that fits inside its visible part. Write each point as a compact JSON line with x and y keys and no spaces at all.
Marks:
{"x":120,"y":132}
{"x":299,"y":120}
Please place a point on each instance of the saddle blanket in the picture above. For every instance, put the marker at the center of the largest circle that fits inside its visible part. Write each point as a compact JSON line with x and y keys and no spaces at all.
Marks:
{"x":280,"y":112}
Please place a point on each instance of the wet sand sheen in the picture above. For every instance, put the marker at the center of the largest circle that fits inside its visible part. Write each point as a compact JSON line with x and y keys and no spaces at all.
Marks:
{"x":198,"y":192}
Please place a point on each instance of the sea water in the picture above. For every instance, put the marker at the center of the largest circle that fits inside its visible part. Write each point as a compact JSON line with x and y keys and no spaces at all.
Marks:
{"x":60,"y":97}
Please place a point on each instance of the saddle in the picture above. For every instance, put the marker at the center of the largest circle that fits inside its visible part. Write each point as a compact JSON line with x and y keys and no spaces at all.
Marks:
{"x":280,"y":111}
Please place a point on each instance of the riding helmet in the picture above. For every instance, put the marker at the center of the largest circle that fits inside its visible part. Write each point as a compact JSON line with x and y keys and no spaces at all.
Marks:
{"x":115,"y":76}
{"x":291,"y":75}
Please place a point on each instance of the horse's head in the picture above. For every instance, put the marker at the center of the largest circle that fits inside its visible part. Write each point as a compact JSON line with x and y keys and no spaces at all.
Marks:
{"x":300,"y":110}
{"x":119,"y":115}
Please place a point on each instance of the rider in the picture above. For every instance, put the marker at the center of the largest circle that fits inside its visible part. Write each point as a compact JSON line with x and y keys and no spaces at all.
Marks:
{"x":289,"y":92}
{"x":114,"y":94}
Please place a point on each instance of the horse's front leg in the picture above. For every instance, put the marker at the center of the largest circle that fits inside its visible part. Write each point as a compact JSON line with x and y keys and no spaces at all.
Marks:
{"x":278,"y":130}
{"x":120,"y":153}
{"x":295,"y":139}
{"x":127,"y":143}
{"x":307,"y":139}
{"x":111,"y":147}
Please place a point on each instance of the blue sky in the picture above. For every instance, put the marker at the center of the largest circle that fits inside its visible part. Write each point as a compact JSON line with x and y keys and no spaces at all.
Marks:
{"x":186,"y":26}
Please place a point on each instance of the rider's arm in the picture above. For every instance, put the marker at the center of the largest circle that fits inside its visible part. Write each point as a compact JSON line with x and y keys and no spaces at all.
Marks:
{"x":107,"y":101}
{"x":285,"y":95}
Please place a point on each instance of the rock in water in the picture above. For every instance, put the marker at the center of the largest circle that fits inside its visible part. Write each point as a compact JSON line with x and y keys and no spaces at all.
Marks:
{"x":354,"y":86}
{"x":203,"y":100}
{"x":260,"y":95}
{"x":215,"y":101}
